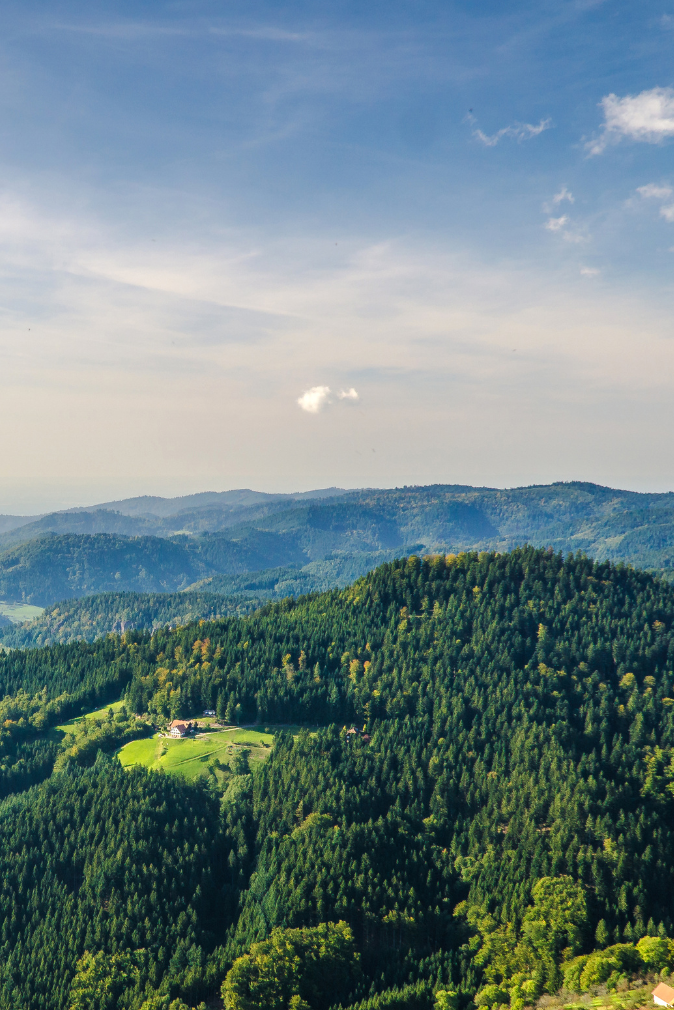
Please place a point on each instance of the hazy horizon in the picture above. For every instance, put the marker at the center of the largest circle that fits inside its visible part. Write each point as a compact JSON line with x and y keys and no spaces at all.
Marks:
{"x":54,"y":503}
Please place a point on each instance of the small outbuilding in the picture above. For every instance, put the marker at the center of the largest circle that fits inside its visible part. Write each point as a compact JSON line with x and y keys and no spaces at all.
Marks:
{"x":663,"y":995}
{"x":356,"y":734}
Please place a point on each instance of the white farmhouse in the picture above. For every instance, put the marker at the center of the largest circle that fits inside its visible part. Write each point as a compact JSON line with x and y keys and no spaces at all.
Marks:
{"x":178,"y":728}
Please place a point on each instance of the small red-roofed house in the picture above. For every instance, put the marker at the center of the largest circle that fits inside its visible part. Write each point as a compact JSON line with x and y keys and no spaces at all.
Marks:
{"x":663,"y":995}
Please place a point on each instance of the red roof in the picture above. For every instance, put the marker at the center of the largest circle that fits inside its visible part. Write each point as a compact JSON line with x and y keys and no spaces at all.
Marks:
{"x":664,"y":992}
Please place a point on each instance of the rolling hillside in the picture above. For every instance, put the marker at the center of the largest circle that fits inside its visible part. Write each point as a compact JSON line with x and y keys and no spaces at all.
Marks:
{"x":107,"y":550}
{"x":89,"y":617}
{"x":497,"y":824}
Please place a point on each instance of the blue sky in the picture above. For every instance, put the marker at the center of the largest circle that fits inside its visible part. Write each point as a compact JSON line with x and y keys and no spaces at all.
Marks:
{"x":287,"y":246}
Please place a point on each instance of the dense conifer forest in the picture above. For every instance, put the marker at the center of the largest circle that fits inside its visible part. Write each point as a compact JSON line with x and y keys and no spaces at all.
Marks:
{"x":500,"y":822}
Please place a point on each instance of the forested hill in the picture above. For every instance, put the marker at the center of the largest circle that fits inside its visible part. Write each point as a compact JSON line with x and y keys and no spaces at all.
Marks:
{"x":508,"y":811}
{"x":91,"y":617}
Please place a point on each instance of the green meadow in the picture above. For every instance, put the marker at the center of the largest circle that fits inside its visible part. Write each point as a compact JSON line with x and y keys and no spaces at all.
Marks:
{"x":210,"y":753}
{"x":71,"y":725}
{"x":625,"y":999}
{"x":19,"y":612}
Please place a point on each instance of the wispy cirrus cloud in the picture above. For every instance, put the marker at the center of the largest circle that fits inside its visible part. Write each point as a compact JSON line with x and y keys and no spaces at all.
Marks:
{"x":561,"y":226}
{"x":654,"y":191}
{"x":517,"y":131}
{"x":129,"y":31}
{"x":100,"y":322}
{"x":563,"y":194}
{"x":556,"y":223}
{"x":647,"y":118}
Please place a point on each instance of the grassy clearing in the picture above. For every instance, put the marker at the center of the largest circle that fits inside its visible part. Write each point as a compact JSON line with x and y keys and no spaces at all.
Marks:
{"x":635,"y":995}
{"x":210,"y":753}
{"x":140,"y":752}
{"x":631,"y":999}
{"x":19,"y":612}
{"x":71,"y":725}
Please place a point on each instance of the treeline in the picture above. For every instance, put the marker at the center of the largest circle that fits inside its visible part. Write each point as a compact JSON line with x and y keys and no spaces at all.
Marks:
{"x":507,"y":811}
{"x":31,"y":749}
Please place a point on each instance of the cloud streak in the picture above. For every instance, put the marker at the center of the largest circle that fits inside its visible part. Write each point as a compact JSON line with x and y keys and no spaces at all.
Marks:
{"x":646,"y":118}
{"x":654,"y":191}
{"x":517,"y":131}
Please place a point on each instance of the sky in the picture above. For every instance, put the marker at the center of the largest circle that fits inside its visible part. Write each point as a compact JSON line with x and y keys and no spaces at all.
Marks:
{"x":309,"y":244}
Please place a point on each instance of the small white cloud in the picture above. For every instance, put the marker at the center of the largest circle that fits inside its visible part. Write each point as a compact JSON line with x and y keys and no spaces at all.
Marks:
{"x":589,"y":271}
{"x":518,"y":131}
{"x":563,"y":194}
{"x":668,"y":213}
{"x":647,"y":117}
{"x":652,"y":190}
{"x":318,"y":397}
{"x":556,"y":223}
{"x":314,"y":399}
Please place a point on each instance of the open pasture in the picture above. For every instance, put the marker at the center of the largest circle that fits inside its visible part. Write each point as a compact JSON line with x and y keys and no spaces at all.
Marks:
{"x":194,"y":756}
{"x":19,"y":612}
{"x":71,"y":725}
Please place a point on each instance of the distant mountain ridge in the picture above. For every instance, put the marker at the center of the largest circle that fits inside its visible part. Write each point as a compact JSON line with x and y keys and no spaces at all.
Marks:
{"x":156,"y":506}
{"x":87,"y":551}
{"x":153,"y":507}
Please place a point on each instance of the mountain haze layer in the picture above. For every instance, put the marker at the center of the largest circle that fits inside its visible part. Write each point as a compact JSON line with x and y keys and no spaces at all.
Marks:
{"x":192,"y":540}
